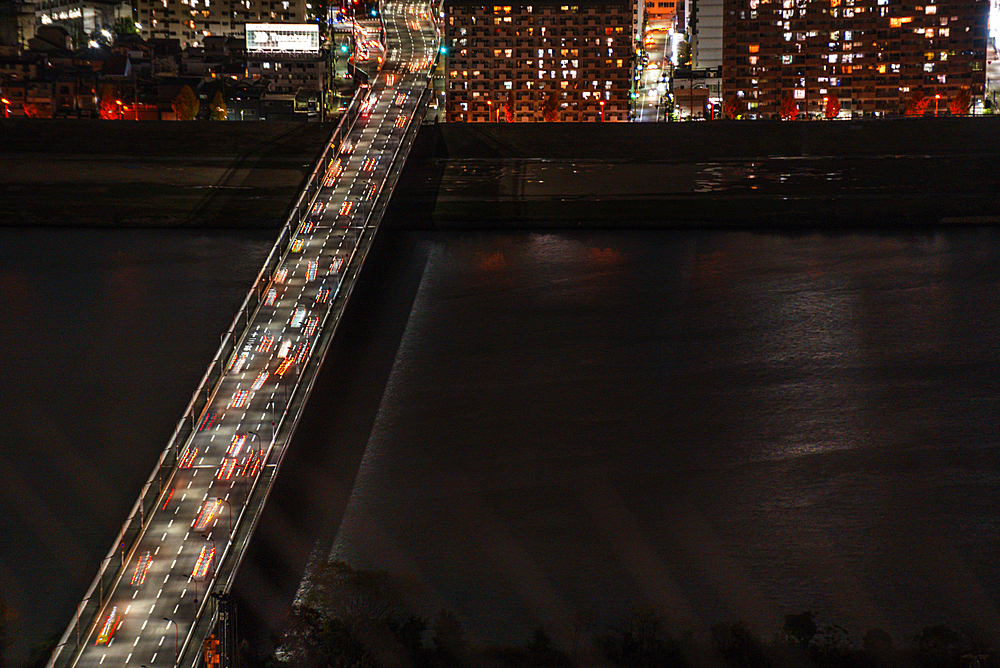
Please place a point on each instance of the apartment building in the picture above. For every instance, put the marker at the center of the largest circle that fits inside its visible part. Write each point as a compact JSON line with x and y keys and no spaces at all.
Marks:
{"x":191,"y":21}
{"x":874,"y":56}
{"x":82,"y":17}
{"x":576,"y":59}
{"x":661,"y":13}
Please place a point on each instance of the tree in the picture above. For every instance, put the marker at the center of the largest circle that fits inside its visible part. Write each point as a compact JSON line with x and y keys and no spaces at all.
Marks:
{"x":738,"y":645}
{"x":939,"y":646}
{"x":449,"y":638}
{"x":219,"y":110}
{"x":960,"y":103}
{"x":732,"y":108}
{"x":8,"y":618}
{"x":508,"y":107}
{"x":550,"y":110}
{"x":109,"y":102}
{"x":800,"y":628}
{"x":877,"y":642}
{"x":185,"y":105}
{"x":789,"y":108}
{"x":353,"y":617}
{"x":917,"y":104}
{"x":832,"y":107}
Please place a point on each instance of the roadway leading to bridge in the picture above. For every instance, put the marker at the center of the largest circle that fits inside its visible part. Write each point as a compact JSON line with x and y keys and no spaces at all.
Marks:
{"x":158,"y":599}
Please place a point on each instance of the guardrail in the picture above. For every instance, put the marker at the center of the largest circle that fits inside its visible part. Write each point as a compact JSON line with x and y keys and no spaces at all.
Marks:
{"x":89,"y":610}
{"x":204,"y":625}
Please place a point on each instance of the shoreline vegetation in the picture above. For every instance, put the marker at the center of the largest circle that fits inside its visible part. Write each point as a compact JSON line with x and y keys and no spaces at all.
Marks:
{"x":354,"y":618}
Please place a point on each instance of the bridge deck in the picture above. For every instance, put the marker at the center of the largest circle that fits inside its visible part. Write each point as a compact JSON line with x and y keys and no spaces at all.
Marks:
{"x":195,"y":535}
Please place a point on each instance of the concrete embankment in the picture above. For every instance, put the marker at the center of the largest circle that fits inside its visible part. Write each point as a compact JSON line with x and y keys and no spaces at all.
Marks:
{"x":728,"y":174}
{"x":153,"y":174}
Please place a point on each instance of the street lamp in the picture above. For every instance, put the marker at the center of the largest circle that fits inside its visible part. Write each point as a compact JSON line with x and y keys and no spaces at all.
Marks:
{"x":229,"y":507}
{"x":602,"y":111}
{"x":490,"y":102}
{"x":936,"y":98}
{"x":169,"y":621}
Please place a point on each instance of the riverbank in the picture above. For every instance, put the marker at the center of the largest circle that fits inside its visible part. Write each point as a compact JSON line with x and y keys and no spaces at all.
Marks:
{"x":902,"y":172}
{"x":65,"y":173}
{"x":723,"y":174}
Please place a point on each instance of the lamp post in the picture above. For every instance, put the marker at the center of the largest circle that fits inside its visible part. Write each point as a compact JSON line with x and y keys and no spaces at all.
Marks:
{"x":256,"y":436}
{"x":229,"y":507}
{"x":490,"y":102}
{"x":602,"y":111}
{"x":170,"y":621}
{"x":936,"y":99}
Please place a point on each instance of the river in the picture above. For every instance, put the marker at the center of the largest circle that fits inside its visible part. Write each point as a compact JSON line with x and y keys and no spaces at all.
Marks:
{"x":539,"y":427}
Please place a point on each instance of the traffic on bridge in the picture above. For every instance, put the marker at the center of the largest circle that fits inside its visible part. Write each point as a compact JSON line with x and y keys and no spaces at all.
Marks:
{"x":150,"y":615}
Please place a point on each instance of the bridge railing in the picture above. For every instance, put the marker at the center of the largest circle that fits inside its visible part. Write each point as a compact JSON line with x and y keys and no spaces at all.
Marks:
{"x":111,"y":569}
{"x":223,"y":580}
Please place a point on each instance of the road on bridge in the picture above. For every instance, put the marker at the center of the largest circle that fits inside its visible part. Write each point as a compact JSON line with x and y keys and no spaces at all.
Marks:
{"x":161,"y":593}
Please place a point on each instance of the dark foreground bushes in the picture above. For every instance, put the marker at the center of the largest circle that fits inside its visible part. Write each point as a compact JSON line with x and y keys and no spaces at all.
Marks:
{"x":364,"y":619}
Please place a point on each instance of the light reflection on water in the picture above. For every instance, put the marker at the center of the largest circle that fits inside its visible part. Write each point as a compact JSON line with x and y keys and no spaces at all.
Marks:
{"x":719,"y":424}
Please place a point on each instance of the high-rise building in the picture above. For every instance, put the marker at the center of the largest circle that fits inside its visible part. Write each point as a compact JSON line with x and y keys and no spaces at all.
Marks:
{"x":873,"y":56}
{"x":191,"y":21}
{"x":704,"y":29}
{"x":544,"y":59}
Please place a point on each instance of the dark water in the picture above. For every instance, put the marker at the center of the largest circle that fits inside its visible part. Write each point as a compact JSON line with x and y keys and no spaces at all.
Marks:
{"x":105,"y":337}
{"x":542,"y":426}
{"x":715,"y":424}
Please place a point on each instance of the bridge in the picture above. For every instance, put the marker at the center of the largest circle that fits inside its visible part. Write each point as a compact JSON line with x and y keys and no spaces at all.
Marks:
{"x":162,"y":590}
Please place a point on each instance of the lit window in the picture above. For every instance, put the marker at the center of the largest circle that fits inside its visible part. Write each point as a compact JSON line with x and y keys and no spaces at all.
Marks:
{"x":800,"y":94}
{"x":930,"y":9}
{"x":928,"y":67}
{"x":786,"y":60}
{"x":754,"y":48}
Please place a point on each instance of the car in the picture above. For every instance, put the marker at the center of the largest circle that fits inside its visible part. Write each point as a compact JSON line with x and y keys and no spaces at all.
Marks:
{"x":141,"y":568}
{"x":111,"y":625}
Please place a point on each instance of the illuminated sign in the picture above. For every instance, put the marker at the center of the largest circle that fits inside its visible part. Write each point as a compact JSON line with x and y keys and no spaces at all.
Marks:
{"x":282,"y":37}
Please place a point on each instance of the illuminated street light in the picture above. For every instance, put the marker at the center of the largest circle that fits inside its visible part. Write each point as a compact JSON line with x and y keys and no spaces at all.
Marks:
{"x":230,"y":507}
{"x":936,"y":98}
{"x":602,"y":111}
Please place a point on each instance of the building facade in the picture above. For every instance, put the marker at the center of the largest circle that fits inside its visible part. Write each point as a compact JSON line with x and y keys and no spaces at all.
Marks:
{"x":873,"y":56}
{"x":82,"y":17}
{"x":525,"y":63}
{"x":661,"y":13}
{"x":191,"y":21}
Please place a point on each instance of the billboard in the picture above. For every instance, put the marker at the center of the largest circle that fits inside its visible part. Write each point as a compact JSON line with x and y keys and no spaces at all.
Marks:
{"x":282,"y":38}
